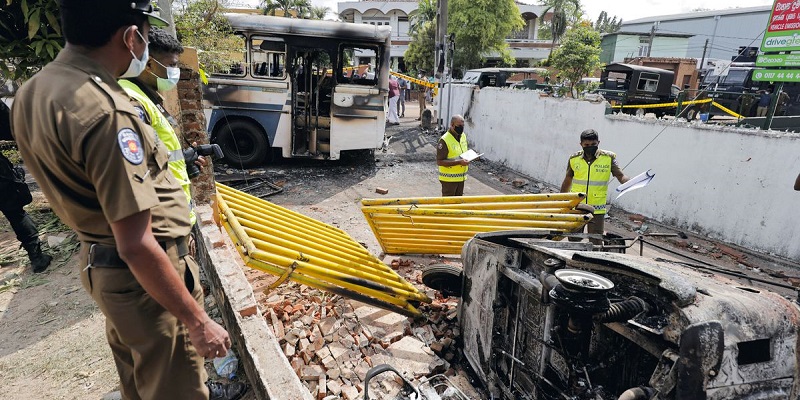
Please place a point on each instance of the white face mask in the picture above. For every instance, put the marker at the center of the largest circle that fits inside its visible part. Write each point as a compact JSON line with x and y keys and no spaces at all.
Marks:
{"x":137,"y":65}
{"x":173,"y":76}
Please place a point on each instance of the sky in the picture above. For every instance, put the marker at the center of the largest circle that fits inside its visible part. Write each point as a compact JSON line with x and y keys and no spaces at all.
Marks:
{"x":625,"y":9}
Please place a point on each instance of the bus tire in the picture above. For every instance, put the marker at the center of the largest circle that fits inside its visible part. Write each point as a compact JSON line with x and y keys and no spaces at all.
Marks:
{"x":243,"y":143}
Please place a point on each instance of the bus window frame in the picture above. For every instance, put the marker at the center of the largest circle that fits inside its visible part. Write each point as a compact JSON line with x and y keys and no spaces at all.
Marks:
{"x":364,"y":46}
{"x":263,"y":37}
{"x":245,"y":64}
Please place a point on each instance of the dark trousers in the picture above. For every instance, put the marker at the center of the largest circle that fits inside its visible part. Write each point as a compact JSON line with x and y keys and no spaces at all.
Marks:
{"x":23,"y":225}
{"x":452,"y":188}
{"x":595,"y":226}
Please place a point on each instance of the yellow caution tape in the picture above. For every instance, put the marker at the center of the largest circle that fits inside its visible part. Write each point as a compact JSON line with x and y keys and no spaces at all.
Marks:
{"x":726,"y":110}
{"x":685,"y":103}
{"x":660,"y":105}
{"x":420,"y":82}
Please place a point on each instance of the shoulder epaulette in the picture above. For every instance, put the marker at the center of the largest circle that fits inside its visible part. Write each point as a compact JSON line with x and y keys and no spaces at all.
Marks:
{"x":577,"y":154}
{"x":606,"y":153}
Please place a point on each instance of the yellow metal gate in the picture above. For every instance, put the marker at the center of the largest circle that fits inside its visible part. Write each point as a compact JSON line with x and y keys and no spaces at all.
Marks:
{"x":441,"y":225}
{"x":293,"y":246}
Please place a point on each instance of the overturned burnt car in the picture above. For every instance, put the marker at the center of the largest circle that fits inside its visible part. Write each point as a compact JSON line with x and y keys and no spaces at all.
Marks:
{"x":543,"y":319}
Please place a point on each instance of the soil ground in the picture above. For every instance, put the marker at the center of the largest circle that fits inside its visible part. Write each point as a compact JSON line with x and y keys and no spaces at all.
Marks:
{"x":52,"y":342}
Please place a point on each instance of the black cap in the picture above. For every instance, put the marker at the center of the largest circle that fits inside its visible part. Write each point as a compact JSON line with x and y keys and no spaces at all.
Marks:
{"x":142,"y":7}
{"x":147,"y":8}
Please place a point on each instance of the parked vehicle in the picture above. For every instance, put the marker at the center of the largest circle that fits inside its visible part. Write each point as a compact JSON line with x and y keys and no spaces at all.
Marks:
{"x":630,"y":85}
{"x":299,"y":91}
{"x":728,"y":87}
{"x":502,"y":77}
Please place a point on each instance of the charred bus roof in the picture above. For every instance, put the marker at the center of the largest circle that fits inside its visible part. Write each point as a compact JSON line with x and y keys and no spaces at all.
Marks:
{"x":304,"y":27}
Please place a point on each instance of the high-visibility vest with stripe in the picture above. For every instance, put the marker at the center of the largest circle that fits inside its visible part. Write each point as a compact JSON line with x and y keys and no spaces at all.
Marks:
{"x":159,"y":122}
{"x":592,"y":179}
{"x":456,"y":173}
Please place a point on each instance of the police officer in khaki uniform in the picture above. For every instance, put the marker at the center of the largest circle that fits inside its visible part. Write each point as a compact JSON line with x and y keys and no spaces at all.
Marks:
{"x":106,"y":176}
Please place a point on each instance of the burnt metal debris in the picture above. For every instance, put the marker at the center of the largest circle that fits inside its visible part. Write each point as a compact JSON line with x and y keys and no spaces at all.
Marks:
{"x":555,"y":320}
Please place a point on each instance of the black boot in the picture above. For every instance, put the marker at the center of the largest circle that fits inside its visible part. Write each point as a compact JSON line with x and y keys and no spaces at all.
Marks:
{"x":39,"y":259}
{"x":223,"y":391}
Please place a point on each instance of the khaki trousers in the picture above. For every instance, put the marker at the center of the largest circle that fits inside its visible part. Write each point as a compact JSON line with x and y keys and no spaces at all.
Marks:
{"x":151,"y":348}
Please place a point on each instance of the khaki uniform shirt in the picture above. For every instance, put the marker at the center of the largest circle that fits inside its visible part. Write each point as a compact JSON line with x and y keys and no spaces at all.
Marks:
{"x":94,"y":158}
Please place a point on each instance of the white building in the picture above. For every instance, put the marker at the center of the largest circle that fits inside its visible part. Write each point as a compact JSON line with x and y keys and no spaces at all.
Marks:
{"x":525,"y":45}
{"x":725,"y":30}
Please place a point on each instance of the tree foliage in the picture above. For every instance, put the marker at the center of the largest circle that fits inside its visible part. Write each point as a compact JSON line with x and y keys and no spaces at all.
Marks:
{"x":426,"y":12}
{"x":420,"y":53}
{"x":288,"y":8}
{"x":317,"y":12}
{"x":565,"y":14}
{"x":480,"y":28}
{"x":606,"y":25}
{"x":30,"y":37}
{"x":579,"y":54}
{"x":201,"y":25}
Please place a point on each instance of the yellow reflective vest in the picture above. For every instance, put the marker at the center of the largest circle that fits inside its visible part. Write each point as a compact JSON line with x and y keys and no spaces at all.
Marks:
{"x":167,"y":135}
{"x":593,"y":178}
{"x":456,"y":173}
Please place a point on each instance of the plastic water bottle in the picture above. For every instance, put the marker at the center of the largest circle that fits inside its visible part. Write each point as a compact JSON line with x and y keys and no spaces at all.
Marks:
{"x":226,"y":366}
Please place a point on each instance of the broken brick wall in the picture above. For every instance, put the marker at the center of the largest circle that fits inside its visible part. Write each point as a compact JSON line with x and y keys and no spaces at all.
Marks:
{"x":193,"y":122}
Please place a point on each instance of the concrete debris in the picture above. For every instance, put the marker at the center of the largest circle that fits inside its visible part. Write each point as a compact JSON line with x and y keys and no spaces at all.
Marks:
{"x":332,"y":342}
{"x":381,"y":190}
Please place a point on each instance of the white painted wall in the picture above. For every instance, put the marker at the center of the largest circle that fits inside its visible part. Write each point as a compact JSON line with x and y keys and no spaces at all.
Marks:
{"x":731,"y":184}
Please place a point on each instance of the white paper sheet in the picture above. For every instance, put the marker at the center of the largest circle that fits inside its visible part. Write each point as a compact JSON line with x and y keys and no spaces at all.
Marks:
{"x":470,"y":155}
{"x":637,"y":182}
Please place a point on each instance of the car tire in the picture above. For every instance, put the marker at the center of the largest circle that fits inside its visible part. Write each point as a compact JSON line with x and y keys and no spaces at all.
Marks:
{"x":243,"y":143}
{"x":445,"y":278}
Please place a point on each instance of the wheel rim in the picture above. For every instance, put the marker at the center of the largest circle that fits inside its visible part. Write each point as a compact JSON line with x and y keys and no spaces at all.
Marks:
{"x":241,"y":146}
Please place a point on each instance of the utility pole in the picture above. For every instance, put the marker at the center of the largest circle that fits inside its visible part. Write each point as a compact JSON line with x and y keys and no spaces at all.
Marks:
{"x":703,"y":59}
{"x":652,"y":36}
{"x":165,"y":7}
{"x":441,"y":54}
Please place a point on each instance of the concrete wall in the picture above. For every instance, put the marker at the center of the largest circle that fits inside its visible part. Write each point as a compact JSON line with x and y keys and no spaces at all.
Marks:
{"x":731,"y":184}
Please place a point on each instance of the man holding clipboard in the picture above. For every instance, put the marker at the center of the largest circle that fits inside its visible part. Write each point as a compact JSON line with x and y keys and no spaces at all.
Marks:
{"x":453,"y":157}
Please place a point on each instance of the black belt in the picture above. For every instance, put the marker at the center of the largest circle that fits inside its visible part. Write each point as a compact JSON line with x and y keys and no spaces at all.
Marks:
{"x":105,"y":256}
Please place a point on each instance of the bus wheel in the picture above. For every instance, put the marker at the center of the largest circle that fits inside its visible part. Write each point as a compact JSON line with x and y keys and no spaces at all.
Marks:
{"x":243,"y":144}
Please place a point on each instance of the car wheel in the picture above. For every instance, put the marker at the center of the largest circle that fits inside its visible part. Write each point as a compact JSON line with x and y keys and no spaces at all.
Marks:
{"x":443,"y":277}
{"x":243,"y":143}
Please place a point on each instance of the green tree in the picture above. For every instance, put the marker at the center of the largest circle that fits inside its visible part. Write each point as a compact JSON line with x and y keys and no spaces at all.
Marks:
{"x":565,"y":13}
{"x":201,"y":25}
{"x":426,"y":12}
{"x":579,"y":54}
{"x":317,"y":12}
{"x":289,"y":8}
{"x":30,"y":37}
{"x":480,"y":28}
{"x":420,"y":53}
{"x":606,"y":25}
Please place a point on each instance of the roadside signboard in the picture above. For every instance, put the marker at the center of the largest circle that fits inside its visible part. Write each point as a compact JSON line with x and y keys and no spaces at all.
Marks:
{"x":783,"y":28}
{"x":776,"y":75}
{"x":778,"y":60}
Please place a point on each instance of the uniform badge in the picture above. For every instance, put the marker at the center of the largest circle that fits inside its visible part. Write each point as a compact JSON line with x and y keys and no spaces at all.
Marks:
{"x":130,"y":145}
{"x":140,"y":110}
{"x":440,"y":145}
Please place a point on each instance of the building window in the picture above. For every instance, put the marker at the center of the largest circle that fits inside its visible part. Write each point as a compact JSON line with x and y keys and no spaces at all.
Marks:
{"x":644,"y":45}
